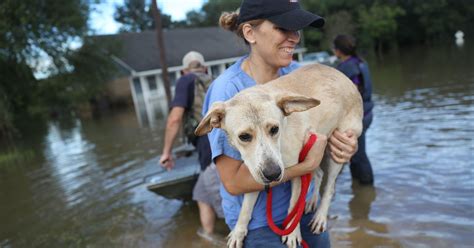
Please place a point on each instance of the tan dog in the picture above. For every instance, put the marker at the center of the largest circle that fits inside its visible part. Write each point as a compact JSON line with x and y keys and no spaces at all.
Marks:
{"x":269,"y":123}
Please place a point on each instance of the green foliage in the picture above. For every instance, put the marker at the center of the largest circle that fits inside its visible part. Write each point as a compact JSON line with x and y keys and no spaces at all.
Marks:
{"x":36,"y":37}
{"x":384,"y":22}
{"x":439,"y":17}
{"x":341,"y":22}
{"x":16,"y":83}
{"x":195,"y":18}
{"x":375,"y":23}
{"x":327,"y":7}
{"x":5,"y":116}
{"x":14,"y":157}
{"x":137,"y":16}
{"x":213,"y":9}
{"x":30,"y":29}
{"x":312,"y":39}
{"x":92,"y":68}
{"x":378,"y":23}
{"x":210,"y":13}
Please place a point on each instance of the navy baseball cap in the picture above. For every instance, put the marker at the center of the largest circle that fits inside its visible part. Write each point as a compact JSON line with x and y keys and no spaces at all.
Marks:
{"x":285,"y":14}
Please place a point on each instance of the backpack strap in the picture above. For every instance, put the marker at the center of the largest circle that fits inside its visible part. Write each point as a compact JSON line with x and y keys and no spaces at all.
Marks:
{"x":194,"y":114}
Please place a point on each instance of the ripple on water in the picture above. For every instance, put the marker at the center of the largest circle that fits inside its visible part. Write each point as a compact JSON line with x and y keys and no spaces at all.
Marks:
{"x":421,"y":147}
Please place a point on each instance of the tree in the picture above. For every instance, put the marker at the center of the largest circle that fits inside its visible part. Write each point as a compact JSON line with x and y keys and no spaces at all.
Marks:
{"x":30,"y":32}
{"x":137,"y":16}
{"x":378,"y":23}
{"x":31,"y":29}
{"x":213,"y":9}
{"x":340,"y":22}
{"x":438,"y":18}
{"x":161,"y":47}
{"x":5,"y":116}
{"x":36,"y":38}
{"x":210,"y":13}
{"x":340,"y":16}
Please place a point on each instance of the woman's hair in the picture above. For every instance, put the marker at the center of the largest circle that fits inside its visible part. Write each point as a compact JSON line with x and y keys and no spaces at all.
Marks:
{"x":346,"y":44}
{"x":229,"y":21}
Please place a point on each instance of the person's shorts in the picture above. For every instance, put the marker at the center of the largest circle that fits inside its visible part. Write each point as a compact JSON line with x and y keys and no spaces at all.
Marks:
{"x":207,"y":189}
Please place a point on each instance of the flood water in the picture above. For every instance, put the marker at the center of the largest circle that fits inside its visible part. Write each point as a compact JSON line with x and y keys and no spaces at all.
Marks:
{"x":82,"y":184}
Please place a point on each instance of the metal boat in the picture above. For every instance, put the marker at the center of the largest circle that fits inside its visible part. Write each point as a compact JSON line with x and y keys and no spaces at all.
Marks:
{"x":177,"y":183}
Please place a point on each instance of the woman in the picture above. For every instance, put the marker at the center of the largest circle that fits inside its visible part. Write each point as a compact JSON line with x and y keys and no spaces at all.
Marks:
{"x":357,"y":70}
{"x":270,"y":28}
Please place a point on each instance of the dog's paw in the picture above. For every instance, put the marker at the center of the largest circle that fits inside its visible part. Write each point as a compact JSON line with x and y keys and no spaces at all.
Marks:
{"x":319,"y":222}
{"x":311,"y":205}
{"x":293,"y":240}
{"x":236,"y":238}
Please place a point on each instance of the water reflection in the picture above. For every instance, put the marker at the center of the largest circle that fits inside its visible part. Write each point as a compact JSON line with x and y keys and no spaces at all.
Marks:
{"x":71,"y":158}
{"x":366,"y":232}
{"x":149,"y":114}
{"x":359,"y":205}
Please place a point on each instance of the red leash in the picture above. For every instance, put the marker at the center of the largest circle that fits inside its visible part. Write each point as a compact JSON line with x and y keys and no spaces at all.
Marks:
{"x":295,"y":215}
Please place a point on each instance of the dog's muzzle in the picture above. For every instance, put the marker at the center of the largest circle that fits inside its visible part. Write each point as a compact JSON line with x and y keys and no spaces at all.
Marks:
{"x":271,"y":173}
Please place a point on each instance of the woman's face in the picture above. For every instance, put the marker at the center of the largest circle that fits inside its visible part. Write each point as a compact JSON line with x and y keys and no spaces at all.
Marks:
{"x":275,"y":45}
{"x":337,"y":52}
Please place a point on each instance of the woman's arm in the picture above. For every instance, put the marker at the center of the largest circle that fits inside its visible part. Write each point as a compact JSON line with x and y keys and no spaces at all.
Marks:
{"x":237,"y":179}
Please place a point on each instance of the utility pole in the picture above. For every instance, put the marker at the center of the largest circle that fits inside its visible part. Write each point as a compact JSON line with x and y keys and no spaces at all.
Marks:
{"x":161,"y":47}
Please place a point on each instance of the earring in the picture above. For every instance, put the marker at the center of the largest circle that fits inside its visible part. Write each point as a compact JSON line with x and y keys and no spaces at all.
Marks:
{"x":252,"y":42}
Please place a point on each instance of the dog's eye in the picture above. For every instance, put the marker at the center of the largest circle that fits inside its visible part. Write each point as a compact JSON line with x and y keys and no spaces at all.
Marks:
{"x":274,"y":130}
{"x":245,"y":137}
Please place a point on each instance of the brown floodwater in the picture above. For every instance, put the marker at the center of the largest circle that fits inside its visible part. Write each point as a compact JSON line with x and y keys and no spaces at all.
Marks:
{"x":82,"y":182}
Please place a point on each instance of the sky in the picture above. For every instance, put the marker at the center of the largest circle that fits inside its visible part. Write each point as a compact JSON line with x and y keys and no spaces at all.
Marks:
{"x":102,"y":18}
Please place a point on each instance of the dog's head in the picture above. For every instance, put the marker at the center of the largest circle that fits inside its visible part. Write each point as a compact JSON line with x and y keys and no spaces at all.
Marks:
{"x":253,"y":121}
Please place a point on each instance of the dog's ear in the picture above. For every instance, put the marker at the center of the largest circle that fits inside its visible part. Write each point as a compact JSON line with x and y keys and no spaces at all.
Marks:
{"x":212,"y":119}
{"x":295,"y":103}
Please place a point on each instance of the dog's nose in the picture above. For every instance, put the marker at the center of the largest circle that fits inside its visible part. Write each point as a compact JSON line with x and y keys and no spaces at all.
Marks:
{"x":272,"y":173}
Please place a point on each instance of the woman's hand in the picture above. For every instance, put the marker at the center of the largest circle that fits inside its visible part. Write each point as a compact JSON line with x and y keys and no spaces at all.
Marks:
{"x":316,"y":153}
{"x":166,"y":161}
{"x":342,"y":145}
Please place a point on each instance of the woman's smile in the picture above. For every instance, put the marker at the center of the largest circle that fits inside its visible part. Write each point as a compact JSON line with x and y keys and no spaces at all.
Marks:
{"x":288,"y":50}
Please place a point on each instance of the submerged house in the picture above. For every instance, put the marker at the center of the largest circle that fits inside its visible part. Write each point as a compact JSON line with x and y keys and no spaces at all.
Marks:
{"x":139,"y":58}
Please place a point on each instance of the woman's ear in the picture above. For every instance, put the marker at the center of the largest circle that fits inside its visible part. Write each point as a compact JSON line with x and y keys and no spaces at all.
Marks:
{"x":249,"y":33}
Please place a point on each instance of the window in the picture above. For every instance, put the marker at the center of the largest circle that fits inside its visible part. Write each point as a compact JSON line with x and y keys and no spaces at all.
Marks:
{"x":215,"y":70}
{"x":151,"y":82}
{"x":137,"y":86}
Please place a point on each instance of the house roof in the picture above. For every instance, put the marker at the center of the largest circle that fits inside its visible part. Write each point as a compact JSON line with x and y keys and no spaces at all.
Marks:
{"x":140,"y":52}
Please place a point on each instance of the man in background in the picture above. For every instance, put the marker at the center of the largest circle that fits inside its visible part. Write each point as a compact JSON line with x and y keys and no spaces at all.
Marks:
{"x":186,"y":109}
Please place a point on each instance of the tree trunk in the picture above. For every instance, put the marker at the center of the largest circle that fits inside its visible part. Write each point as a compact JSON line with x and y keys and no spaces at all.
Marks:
{"x":161,"y":47}
{"x":379,"y":49}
